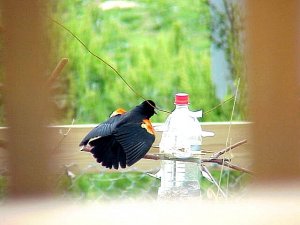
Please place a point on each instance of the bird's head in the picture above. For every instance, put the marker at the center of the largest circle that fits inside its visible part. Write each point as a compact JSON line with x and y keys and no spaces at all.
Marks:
{"x":148,"y":108}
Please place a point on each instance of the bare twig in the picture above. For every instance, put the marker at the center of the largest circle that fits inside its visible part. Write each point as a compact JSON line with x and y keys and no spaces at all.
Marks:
{"x":64,"y":135}
{"x":56,"y":72}
{"x":218,"y":161}
{"x":173,"y":158}
{"x":227,"y":149}
{"x":232,"y":111}
{"x":69,"y":129}
{"x":153,"y":157}
{"x":213,"y":159}
{"x":190,"y":159}
{"x":155,"y":146}
{"x":204,"y":151}
{"x":238,"y":168}
{"x":203,"y":168}
{"x":226,"y":162}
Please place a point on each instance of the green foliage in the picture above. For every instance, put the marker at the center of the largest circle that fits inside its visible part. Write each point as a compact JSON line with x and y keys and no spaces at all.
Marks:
{"x":160,"y":47}
{"x":227,"y":34}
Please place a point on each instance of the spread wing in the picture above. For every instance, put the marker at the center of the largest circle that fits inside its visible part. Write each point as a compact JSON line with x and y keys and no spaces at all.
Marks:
{"x":104,"y":129}
{"x":108,"y":152}
{"x":136,"y":140}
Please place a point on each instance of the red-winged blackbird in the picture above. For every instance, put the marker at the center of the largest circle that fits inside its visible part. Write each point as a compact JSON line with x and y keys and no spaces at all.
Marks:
{"x":124,"y":138}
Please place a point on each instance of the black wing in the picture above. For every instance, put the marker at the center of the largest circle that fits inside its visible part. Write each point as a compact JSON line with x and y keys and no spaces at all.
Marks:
{"x":102,"y":130}
{"x":135,"y":141}
{"x":108,"y":152}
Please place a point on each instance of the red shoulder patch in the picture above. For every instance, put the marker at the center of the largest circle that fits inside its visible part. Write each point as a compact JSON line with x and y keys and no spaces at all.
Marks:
{"x":146,"y":124}
{"x":118,"y":112}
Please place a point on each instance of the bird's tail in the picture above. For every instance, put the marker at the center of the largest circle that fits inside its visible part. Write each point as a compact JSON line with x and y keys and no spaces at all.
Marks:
{"x":108,"y":152}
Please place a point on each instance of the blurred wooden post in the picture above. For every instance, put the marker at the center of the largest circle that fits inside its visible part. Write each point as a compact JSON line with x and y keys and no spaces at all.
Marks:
{"x":25,"y":64}
{"x":273,"y":38}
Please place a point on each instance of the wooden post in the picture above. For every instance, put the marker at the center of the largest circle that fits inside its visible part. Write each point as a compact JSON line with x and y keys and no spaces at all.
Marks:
{"x":273,"y":66}
{"x":25,"y":60}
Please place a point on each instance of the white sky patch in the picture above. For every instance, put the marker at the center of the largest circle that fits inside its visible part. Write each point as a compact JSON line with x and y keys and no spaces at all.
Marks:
{"x":108,"y":5}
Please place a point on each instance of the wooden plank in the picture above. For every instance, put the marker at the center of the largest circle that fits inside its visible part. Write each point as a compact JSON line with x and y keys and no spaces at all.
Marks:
{"x":65,"y":149}
{"x":273,"y":67}
{"x":26,"y":109}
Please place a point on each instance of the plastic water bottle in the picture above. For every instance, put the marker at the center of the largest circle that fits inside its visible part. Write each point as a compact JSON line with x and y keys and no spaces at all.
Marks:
{"x":181,"y":138}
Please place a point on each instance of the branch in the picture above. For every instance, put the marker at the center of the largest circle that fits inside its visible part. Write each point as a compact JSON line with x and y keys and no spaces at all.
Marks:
{"x":219,"y":153}
{"x":170,"y":157}
{"x":213,"y":159}
{"x":218,"y":161}
{"x":190,"y":159}
{"x":153,"y":157}
{"x":205,"y":170}
{"x":64,"y":135}
{"x":56,"y":72}
{"x":235,"y":167}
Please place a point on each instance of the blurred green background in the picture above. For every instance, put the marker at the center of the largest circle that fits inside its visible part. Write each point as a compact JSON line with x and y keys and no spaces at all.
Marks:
{"x":160,"y":47}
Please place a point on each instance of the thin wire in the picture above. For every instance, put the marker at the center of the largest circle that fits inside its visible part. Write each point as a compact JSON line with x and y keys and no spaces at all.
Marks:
{"x":117,"y":72}
{"x":106,"y":63}
{"x":233,"y":108}
{"x":229,"y":128}
{"x":217,"y":106}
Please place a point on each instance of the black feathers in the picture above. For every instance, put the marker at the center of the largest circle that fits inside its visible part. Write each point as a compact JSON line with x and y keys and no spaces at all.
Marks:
{"x":112,"y":158}
{"x":135,"y":140}
{"x":124,"y":138}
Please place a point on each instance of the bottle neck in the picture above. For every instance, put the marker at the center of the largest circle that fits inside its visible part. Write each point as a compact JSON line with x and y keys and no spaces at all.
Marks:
{"x":182,"y":107}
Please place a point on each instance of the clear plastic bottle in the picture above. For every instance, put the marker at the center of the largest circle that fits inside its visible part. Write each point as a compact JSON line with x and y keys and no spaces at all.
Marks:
{"x":181,"y":138}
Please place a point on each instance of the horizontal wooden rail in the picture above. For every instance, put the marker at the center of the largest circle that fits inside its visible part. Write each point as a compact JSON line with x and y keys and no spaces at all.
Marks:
{"x":67,"y":137}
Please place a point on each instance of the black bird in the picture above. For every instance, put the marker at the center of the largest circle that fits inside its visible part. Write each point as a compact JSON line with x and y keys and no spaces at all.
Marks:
{"x":124,"y":138}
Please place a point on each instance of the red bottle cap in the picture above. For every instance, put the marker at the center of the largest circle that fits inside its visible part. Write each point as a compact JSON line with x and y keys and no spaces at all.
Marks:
{"x":181,"y":99}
